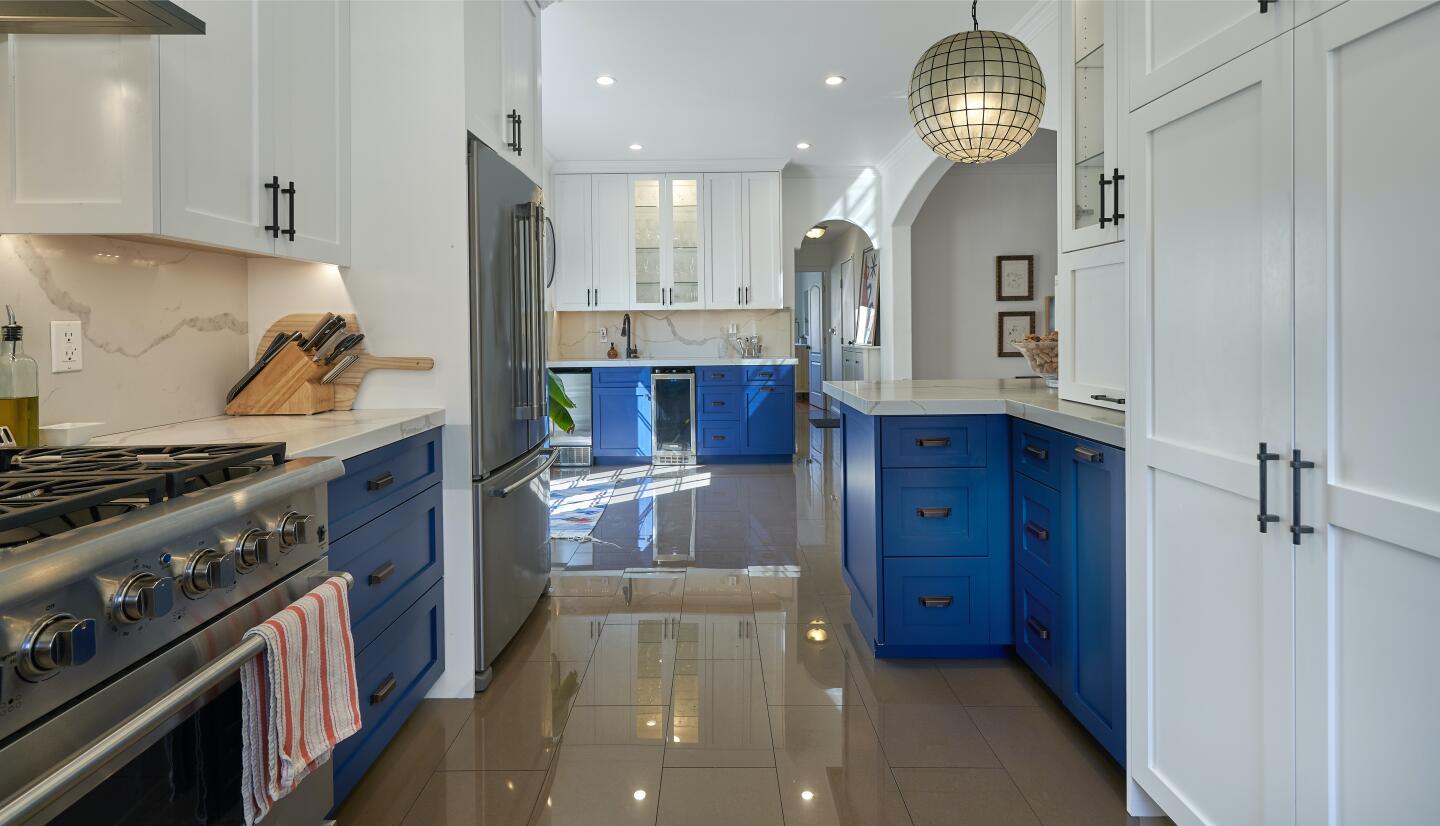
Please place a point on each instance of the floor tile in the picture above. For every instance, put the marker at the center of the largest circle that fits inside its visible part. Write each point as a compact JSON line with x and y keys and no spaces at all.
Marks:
{"x":601,"y":787}
{"x":983,"y":797}
{"x":931,"y":736}
{"x":786,"y":598}
{"x":489,"y":798}
{"x":717,"y":636}
{"x":385,"y":793}
{"x":718,"y":715}
{"x":518,"y":721}
{"x":831,"y":768}
{"x":648,"y":597}
{"x":805,"y":666}
{"x":616,"y":726}
{"x":994,"y":682}
{"x":560,"y":628}
{"x":719,"y":797}
{"x":591,"y":583}
{"x":633,"y":665}
{"x":709,"y":583}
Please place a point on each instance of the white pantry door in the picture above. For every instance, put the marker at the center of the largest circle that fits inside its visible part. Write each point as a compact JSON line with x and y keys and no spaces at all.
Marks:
{"x":1367,"y":404}
{"x":1209,"y":680}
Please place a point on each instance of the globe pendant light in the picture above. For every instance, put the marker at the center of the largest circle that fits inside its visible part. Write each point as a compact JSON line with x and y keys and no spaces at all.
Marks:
{"x":977,"y":96}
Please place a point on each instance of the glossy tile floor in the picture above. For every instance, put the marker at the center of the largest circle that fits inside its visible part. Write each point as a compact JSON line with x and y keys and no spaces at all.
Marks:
{"x":696,"y":664}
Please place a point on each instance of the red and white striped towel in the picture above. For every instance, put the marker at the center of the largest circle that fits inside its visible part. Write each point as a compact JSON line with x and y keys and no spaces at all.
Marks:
{"x":300,"y":697}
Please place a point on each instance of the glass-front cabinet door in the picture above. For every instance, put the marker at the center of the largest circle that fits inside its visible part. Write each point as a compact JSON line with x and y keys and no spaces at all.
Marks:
{"x":685,"y":238}
{"x":645,"y":235}
{"x":1091,"y":175}
{"x":667,"y":238}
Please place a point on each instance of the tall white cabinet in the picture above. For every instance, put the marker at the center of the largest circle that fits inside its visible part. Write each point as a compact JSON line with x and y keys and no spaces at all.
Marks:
{"x":502,"y":80}
{"x":592,"y":258}
{"x":1283,"y":513}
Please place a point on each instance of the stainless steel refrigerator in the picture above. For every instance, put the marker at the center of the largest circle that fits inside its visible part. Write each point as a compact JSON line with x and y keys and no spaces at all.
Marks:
{"x":511,"y":461}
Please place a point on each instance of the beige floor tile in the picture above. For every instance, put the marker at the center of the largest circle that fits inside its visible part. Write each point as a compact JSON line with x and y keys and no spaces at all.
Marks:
{"x":584,"y":583}
{"x":931,"y":736}
{"x":719,"y":797}
{"x":831,"y":768}
{"x":518,"y":721}
{"x":699,"y":605}
{"x":709,"y":583}
{"x":616,"y":726}
{"x":492,"y":798}
{"x":718,"y":715}
{"x":787,"y":597}
{"x":1066,"y":777}
{"x":395,"y":780}
{"x":599,"y":786}
{"x":647,"y":597}
{"x":717,"y":636}
{"x":560,"y":628}
{"x":983,"y":797}
{"x":633,"y":665}
{"x":805,"y":666}
{"x":994,"y":682}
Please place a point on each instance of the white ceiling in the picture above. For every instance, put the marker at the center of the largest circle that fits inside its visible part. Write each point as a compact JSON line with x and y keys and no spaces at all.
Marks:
{"x":734,"y":79}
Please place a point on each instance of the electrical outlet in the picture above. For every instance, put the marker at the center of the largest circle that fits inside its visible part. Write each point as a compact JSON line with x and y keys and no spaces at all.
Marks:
{"x":66,"y":348}
{"x":604,"y":334}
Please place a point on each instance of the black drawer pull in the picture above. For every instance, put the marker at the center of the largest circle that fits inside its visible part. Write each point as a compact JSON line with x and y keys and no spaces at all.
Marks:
{"x":1088,"y":454}
{"x":1038,"y":532}
{"x":765,"y":375}
{"x":717,"y":376}
{"x":1038,"y":452}
{"x":933,"y":441}
{"x":1101,"y":397}
{"x":933,"y":513}
{"x":717,"y":438}
{"x":381,"y":482}
{"x":386,"y":688}
{"x":382,"y":573}
{"x":1040,"y":630}
{"x":766,"y":389}
{"x":717,"y":404}
{"x":936,"y":602}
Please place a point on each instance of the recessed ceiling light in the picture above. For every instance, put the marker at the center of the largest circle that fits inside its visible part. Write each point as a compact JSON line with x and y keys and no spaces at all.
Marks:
{"x":802,"y":145}
{"x":834,"y":80}
{"x":635,"y":147}
{"x":605,"y":80}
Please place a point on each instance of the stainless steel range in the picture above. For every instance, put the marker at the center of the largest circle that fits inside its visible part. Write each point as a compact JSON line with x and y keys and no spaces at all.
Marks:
{"x":126,"y":572}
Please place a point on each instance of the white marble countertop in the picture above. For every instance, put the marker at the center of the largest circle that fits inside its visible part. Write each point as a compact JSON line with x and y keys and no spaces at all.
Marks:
{"x":1027,"y":399}
{"x":681,"y":361}
{"x":344,"y":434}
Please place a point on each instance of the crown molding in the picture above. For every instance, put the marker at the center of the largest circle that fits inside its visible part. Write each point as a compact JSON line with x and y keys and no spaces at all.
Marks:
{"x":644,"y":167}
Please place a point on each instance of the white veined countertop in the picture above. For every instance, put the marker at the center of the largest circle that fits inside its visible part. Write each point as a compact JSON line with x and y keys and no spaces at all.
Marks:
{"x":342,"y":433}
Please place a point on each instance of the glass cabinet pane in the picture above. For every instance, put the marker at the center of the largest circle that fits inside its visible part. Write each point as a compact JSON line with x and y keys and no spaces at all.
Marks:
{"x":647,"y":241}
{"x":685,"y":240}
{"x":1089,"y":102}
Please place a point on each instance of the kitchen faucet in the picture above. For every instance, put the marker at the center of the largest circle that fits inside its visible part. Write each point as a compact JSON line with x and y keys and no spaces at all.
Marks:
{"x":630,"y":351}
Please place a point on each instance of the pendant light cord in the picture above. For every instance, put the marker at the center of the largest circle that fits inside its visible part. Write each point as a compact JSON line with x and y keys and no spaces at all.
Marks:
{"x":974,"y":15}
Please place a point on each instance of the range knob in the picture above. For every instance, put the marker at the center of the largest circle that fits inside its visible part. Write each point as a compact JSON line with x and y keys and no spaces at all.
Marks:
{"x":254,"y":547}
{"x":142,"y":597}
{"x":294,"y":529}
{"x":207,"y":570}
{"x":56,"y":642}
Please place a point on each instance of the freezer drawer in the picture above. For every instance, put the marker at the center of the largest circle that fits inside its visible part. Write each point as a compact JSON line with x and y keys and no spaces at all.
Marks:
{"x":513,"y":554}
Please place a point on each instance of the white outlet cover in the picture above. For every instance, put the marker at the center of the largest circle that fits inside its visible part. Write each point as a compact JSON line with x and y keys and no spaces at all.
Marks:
{"x":66,"y":347}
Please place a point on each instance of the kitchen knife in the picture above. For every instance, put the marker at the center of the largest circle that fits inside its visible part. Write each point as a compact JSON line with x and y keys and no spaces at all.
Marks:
{"x":344,"y":365}
{"x":276,"y":345}
{"x":331,"y":327}
{"x":319,"y":325}
{"x":346,"y":344}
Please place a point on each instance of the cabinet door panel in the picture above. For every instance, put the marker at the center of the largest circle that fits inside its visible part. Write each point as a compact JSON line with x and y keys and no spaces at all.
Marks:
{"x":1168,"y":44}
{"x":764,"y":265}
{"x":930,"y":512}
{"x":621,"y":420}
{"x":571,"y":212}
{"x":938,"y":601}
{"x":218,"y":119}
{"x":769,"y":420}
{"x":519,"y":75}
{"x":1090,"y":308}
{"x":1089,"y":93}
{"x":1036,"y":539}
{"x":610,"y":227}
{"x":724,"y":247}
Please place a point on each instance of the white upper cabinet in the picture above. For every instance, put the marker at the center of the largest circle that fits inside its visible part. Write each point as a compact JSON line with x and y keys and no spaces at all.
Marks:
{"x":1090,"y":295}
{"x":764,"y":274}
{"x":569,"y":209}
{"x":725,"y":276}
{"x":1093,"y":187}
{"x":667,"y":235}
{"x":1168,"y":44}
{"x":609,"y":233}
{"x":502,"y":80}
{"x":178,"y":136}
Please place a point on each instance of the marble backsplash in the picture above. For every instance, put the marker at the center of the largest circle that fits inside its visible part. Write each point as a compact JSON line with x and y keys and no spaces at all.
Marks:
{"x":165,"y":328}
{"x":665,"y":334}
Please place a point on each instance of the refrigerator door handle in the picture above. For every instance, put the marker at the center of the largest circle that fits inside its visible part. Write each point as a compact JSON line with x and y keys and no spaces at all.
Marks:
{"x":550,"y":456}
{"x":520,"y":318}
{"x":540,"y":401}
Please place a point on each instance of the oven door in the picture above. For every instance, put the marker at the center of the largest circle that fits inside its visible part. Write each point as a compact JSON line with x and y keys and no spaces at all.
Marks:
{"x":184,"y":770}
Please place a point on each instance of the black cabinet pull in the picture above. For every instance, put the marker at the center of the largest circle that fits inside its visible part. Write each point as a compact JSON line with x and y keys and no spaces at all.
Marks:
{"x":381,"y":482}
{"x":1038,"y":452}
{"x":747,"y":295}
{"x":274,"y":226}
{"x":933,"y":513}
{"x":290,"y":190}
{"x":1264,"y":457}
{"x":739,"y":295}
{"x":717,"y":376}
{"x":717,"y":438}
{"x":1088,"y":454}
{"x":1038,"y":532}
{"x":1040,"y":630}
{"x":380,"y":694}
{"x":382,"y":573}
{"x":1101,"y":397}
{"x":936,"y":602}
{"x":1115,"y":213}
{"x":514,"y":118}
{"x":933,"y":441}
{"x":1297,"y":530}
{"x":717,"y":404}
{"x":1265,"y":6}
{"x":1104,"y":219}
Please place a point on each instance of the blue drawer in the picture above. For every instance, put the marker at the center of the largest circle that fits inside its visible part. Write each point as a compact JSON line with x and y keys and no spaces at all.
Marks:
{"x":719,"y":374}
{"x":394,"y":559}
{"x":377,"y":481}
{"x":720,"y":402}
{"x":933,"y":441}
{"x":1036,"y":538}
{"x":407,"y":659}
{"x":1037,"y":628}
{"x":935,"y":512}
{"x":718,"y":438}
{"x":620,"y":376}
{"x":937,"y":601}
{"x":770,"y":374}
{"x":1038,"y":452}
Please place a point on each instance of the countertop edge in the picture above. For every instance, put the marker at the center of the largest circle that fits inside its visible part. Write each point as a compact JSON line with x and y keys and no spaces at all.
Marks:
{"x":672,"y":362}
{"x":342,"y":434}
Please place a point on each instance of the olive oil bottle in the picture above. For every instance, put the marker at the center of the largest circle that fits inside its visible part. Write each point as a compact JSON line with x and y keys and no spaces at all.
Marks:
{"x":19,"y":385}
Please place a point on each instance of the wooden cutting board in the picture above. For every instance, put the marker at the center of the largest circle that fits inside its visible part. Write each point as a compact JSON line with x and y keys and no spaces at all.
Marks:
{"x":349,"y":382}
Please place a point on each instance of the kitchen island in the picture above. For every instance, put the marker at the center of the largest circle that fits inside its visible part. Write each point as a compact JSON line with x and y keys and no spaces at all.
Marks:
{"x":983,"y":515}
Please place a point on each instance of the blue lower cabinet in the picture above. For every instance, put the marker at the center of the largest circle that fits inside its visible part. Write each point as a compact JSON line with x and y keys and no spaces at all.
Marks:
{"x":620,"y":422}
{"x":937,"y":602}
{"x":1036,"y":540}
{"x":718,"y":438}
{"x":377,"y":481}
{"x":938,"y":441}
{"x":395,"y":559}
{"x":1037,"y":628}
{"x":936,"y":512}
{"x":769,"y":420}
{"x":719,"y":402}
{"x":393,"y":673}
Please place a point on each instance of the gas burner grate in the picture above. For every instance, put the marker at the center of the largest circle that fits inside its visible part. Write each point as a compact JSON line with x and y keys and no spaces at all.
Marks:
{"x":184,"y":468}
{"x":34,"y":506}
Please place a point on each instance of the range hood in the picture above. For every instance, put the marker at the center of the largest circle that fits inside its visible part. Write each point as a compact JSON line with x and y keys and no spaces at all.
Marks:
{"x":96,"y":17}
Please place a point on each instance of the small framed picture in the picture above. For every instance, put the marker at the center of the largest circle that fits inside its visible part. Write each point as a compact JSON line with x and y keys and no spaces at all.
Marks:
{"x":1014,"y":278}
{"x":1013,"y":326}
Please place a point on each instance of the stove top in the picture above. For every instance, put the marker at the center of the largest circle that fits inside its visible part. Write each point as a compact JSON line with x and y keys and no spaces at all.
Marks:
{"x":45,"y":492}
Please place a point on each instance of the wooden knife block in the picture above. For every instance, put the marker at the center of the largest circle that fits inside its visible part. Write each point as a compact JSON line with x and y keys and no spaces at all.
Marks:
{"x":289,"y":385}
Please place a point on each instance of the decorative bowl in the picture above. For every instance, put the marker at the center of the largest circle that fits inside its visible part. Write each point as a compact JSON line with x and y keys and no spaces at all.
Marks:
{"x":1043,"y":356}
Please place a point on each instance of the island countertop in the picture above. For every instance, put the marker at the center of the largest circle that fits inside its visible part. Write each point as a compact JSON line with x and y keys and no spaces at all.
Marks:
{"x":677,"y":361}
{"x":1027,"y":399}
{"x":341,"y":433}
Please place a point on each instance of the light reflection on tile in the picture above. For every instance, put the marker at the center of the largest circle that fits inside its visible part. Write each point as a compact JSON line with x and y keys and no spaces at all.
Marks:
{"x":396,"y":779}
{"x":719,"y":635}
{"x":601,"y":788}
{"x":517,"y":722}
{"x":718,"y":715}
{"x":831,"y":768}
{"x":719,"y":797}
{"x":633,"y":665}
{"x":648,"y":597}
{"x":805,"y":666}
{"x":560,"y":628}
{"x":497,"y":798}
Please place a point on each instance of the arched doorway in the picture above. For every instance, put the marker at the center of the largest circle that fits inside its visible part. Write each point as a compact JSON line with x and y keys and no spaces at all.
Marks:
{"x":831,"y":283}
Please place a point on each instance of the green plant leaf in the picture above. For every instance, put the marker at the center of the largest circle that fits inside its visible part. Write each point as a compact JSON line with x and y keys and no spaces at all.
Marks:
{"x":560,"y":404}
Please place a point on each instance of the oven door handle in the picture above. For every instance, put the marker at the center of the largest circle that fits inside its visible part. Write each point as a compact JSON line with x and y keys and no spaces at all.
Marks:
{"x":74,"y":771}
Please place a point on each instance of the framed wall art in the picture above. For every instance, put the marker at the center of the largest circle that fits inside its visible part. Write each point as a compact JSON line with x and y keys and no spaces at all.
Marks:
{"x":1014,"y":278}
{"x":1012,"y":326}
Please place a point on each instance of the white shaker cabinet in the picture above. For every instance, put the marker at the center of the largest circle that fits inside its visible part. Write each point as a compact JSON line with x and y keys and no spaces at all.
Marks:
{"x":764,"y":265}
{"x":745,"y":268}
{"x":859,"y":362}
{"x":1093,"y":188}
{"x":592,"y":266}
{"x":1170,"y":43}
{"x":667,"y":228}
{"x":1090,"y":300}
{"x":502,"y":80}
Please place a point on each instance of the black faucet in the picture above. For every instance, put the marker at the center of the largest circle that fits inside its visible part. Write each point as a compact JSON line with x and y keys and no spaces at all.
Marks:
{"x":630,"y":351}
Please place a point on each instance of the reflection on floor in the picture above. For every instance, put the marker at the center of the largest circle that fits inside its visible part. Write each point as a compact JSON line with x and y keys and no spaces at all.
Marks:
{"x":696,"y":665}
